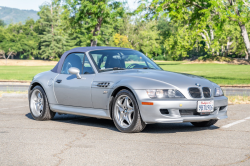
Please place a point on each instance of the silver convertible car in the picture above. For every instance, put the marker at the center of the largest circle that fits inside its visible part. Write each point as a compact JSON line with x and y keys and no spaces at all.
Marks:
{"x":126,"y":86}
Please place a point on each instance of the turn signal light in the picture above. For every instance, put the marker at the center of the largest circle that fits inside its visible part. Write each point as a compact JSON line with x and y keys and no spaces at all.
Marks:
{"x":147,"y":103}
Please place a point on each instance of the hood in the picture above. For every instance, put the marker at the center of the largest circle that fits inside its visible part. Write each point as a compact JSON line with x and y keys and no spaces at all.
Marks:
{"x":177,"y":80}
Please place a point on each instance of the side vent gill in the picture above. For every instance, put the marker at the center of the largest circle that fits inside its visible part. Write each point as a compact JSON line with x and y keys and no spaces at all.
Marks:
{"x":100,"y":84}
{"x":103,"y":84}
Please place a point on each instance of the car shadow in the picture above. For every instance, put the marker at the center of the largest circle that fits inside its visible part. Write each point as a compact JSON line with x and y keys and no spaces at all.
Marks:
{"x":82,"y":120}
{"x":175,"y":128}
{"x":71,"y":77}
{"x":108,"y":124}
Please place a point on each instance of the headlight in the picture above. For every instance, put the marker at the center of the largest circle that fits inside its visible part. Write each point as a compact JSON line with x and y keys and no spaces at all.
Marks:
{"x":218,"y":92}
{"x":164,"y":93}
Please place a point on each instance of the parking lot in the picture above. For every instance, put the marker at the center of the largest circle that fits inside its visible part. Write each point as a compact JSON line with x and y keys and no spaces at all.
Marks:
{"x":75,"y":140}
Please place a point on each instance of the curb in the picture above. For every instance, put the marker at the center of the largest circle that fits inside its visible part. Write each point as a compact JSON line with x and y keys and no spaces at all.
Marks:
{"x":242,"y":87}
{"x":15,"y":81}
{"x":14,"y":95}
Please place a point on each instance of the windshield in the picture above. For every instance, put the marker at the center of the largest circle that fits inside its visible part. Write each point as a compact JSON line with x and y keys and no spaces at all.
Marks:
{"x":106,"y":60}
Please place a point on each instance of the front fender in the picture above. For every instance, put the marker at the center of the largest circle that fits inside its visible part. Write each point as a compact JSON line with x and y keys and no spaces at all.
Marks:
{"x":133,"y":84}
{"x":46,"y":80}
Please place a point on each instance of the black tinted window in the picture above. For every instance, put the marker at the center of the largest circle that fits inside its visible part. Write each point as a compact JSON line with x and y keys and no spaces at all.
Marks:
{"x":73,"y":60}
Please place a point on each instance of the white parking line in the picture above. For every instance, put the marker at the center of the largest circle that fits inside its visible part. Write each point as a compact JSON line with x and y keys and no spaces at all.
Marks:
{"x":12,"y":107}
{"x":234,"y":123}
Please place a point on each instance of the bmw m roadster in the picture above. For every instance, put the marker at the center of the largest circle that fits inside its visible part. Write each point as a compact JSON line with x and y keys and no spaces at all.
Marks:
{"x":126,"y":86}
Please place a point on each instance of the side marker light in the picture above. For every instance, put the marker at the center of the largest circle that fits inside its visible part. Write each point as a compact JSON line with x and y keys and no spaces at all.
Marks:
{"x":147,"y":103}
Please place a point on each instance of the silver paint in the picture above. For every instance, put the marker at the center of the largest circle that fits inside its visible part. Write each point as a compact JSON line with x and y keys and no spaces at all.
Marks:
{"x":84,"y":97}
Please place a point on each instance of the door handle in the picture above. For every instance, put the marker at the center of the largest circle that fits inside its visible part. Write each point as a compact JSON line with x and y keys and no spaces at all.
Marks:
{"x":58,"y":81}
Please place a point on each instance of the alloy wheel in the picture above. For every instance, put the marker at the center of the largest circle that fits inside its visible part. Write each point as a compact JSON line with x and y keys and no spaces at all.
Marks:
{"x":124,"y":111}
{"x":36,"y":103}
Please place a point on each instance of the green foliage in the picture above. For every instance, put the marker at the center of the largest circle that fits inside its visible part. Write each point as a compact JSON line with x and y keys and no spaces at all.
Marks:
{"x":160,"y":58}
{"x":209,"y":19}
{"x":2,"y":23}
{"x":91,"y":15}
{"x":121,"y":41}
{"x":215,"y":58}
{"x":53,"y":41}
{"x":19,"y":39}
{"x":162,"y":30}
{"x":143,"y":35}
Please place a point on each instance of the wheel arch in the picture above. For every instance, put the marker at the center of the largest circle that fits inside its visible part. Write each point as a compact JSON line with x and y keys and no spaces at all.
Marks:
{"x":33,"y":85}
{"x":114,"y":93}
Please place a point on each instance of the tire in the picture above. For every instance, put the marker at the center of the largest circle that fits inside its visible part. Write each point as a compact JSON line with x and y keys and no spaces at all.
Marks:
{"x":126,"y":120}
{"x":205,"y":123}
{"x":39,"y":106}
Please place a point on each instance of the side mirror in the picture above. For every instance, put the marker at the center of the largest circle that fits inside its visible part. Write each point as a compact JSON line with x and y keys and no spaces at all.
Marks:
{"x":75,"y":71}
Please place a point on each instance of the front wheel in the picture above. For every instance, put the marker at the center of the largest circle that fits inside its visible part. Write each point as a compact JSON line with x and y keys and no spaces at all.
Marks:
{"x":205,"y":123}
{"x":126,"y":114}
{"x":39,"y":106}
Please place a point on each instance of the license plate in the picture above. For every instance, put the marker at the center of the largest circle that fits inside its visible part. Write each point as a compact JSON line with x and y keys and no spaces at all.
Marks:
{"x":205,"y":106}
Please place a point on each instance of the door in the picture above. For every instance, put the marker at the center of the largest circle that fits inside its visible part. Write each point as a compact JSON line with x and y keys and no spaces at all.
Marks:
{"x":68,"y":89}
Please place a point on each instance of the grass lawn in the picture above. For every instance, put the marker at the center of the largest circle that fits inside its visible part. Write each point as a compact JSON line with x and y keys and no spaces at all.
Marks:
{"x":21,"y":72}
{"x":223,"y":74}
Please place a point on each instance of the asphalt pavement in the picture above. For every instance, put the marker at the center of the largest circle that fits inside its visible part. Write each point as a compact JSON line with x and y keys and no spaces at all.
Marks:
{"x":227,"y":91}
{"x":77,"y":140}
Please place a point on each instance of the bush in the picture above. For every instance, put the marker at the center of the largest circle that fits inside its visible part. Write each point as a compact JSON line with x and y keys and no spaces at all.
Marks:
{"x":162,"y":58}
{"x":159,"y":58}
{"x":214,"y":58}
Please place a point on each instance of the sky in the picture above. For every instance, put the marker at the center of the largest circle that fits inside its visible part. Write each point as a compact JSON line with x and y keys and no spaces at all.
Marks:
{"x":34,"y":4}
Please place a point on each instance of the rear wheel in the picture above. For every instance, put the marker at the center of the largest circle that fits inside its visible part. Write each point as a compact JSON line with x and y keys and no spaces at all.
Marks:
{"x":126,"y":114}
{"x":39,"y":106}
{"x":205,"y":123}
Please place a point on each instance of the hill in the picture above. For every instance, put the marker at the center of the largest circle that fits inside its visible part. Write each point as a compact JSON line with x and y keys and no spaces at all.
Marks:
{"x":12,"y":15}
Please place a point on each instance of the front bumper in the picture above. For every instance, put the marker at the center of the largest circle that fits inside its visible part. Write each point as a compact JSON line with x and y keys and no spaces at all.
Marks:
{"x":152,"y":113}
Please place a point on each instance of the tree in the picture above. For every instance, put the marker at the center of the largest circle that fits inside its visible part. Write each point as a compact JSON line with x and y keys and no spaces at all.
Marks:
{"x":2,"y":23}
{"x":180,"y":42}
{"x":121,"y":41}
{"x":9,"y":53}
{"x":54,"y":42}
{"x":91,"y":15}
{"x":9,"y":42}
{"x":142,"y":34}
{"x":196,"y":12}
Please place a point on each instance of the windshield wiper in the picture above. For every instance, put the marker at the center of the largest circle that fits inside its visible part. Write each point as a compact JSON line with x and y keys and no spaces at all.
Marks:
{"x":110,"y":69}
{"x":118,"y":68}
{"x":146,"y":68}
